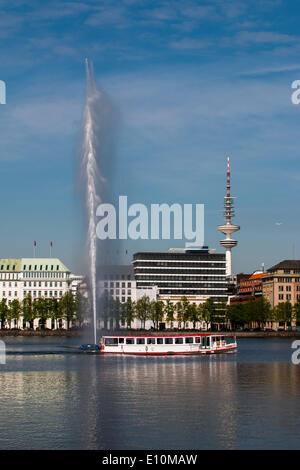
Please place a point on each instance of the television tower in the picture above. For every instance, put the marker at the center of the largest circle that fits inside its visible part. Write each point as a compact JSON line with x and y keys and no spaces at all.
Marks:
{"x":228,"y":228}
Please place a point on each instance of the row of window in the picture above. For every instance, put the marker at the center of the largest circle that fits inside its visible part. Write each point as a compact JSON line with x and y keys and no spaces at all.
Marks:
{"x":37,"y":275}
{"x":118,"y":277}
{"x":45,"y":275}
{"x":29,"y":267}
{"x":33,"y":293}
{"x":177,"y":256}
{"x":40,"y":294}
{"x":34,"y":284}
{"x":181,"y":278}
{"x":195,"y":264}
{"x":181,"y":293}
{"x":287,"y":296}
{"x":281,"y":297}
{"x":156,"y":272}
{"x":43,"y":284}
{"x":205,"y":340}
{"x":117,"y":284}
{"x":184,"y":285}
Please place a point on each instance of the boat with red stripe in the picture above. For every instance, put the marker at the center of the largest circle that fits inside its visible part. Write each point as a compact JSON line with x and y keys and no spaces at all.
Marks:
{"x":166,"y":345}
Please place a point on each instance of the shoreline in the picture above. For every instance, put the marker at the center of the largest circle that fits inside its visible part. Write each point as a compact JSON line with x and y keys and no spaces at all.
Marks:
{"x":84,"y":333}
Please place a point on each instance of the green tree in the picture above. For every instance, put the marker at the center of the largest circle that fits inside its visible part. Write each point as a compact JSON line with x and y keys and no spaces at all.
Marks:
{"x":40,"y":310}
{"x":283,"y":313}
{"x":142,"y":310}
{"x":52,"y":305}
{"x":116,"y":312}
{"x":258,"y":311}
{"x":193,"y":314}
{"x":82,"y":308}
{"x":296,"y":312}
{"x":127,"y":312}
{"x":67,"y":307}
{"x":209,"y":310}
{"x":28,"y":312}
{"x":4,"y":310}
{"x":156,"y":312}
{"x":236,"y":314}
{"x":14,"y":311}
{"x":169,"y":311}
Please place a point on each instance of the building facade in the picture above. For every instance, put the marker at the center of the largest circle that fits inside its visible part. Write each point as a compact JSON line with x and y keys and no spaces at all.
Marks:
{"x":195,"y":274}
{"x":282,"y":283}
{"x":37,"y":277}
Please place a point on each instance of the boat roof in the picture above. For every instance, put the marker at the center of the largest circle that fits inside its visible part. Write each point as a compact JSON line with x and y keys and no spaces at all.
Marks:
{"x":162,"y":336}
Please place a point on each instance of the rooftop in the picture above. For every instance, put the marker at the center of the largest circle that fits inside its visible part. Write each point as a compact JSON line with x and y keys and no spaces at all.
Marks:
{"x":32,"y":264}
{"x":286,"y":264}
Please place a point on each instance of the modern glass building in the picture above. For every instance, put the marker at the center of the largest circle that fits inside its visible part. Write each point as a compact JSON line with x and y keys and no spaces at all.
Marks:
{"x":194,"y":273}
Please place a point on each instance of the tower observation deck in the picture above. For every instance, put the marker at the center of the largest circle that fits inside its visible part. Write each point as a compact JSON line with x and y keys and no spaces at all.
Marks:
{"x":228,"y":228}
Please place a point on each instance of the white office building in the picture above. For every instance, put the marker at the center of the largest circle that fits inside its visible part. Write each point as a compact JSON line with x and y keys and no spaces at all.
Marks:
{"x":37,"y":277}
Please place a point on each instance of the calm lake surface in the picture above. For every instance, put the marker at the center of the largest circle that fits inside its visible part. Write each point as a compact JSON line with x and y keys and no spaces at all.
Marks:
{"x":245,"y":400}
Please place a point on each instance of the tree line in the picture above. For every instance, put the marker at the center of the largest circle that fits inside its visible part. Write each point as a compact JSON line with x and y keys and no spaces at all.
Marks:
{"x":259,"y":311}
{"x":69,"y":308}
{"x":156,"y":311}
{"x":214,"y":315}
{"x":113,"y":313}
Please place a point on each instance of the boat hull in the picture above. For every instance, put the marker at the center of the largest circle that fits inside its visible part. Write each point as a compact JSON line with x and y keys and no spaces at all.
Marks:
{"x":173,"y":353}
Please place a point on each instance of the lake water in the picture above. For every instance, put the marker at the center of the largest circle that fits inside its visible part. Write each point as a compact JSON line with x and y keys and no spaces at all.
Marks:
{"x":244,"y":400}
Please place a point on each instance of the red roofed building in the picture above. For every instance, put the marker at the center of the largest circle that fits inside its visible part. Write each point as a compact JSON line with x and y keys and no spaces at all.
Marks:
{"x":248,"y":287}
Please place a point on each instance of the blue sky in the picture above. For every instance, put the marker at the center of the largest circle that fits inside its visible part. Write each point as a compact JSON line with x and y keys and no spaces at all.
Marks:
{"x":191,"y":82}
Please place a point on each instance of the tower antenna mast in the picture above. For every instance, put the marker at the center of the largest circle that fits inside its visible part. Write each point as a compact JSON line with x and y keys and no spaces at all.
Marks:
{"x":228,"y":228}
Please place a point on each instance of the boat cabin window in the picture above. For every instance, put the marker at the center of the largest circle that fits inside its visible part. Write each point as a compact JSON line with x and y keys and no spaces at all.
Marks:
{"x":160,"y":340}
{"x":111,"y":341}
{"x":168,"y":340}
{"x":140,"y":341}
{"x":178,"y":340}
{"x":189,"y":340}
{"x":151,"y":341}
{"x":121,"y":340}
{"x":198,"y":340}
{"x":129,"y":340}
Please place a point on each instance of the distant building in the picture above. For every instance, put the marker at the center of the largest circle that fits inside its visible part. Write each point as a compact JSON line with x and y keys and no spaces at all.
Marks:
{"x":193,"y":273}
{"x":37,"y":277}
{"x":248,"y":286}
{"x":76,"y":281}
{"x":282,"y":283}
{"x":251,"y":287}
{"x":118,"y":282}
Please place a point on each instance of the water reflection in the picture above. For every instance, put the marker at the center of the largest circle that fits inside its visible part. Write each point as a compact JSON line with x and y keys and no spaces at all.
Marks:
{"x":93,"y":402}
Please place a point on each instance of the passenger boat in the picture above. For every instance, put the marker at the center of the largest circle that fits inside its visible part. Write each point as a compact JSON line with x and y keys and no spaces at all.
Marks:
{"x":164,"y":345}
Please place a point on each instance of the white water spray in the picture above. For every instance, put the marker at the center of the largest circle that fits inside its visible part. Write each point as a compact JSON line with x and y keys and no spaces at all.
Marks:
{"x":92,"y":178}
